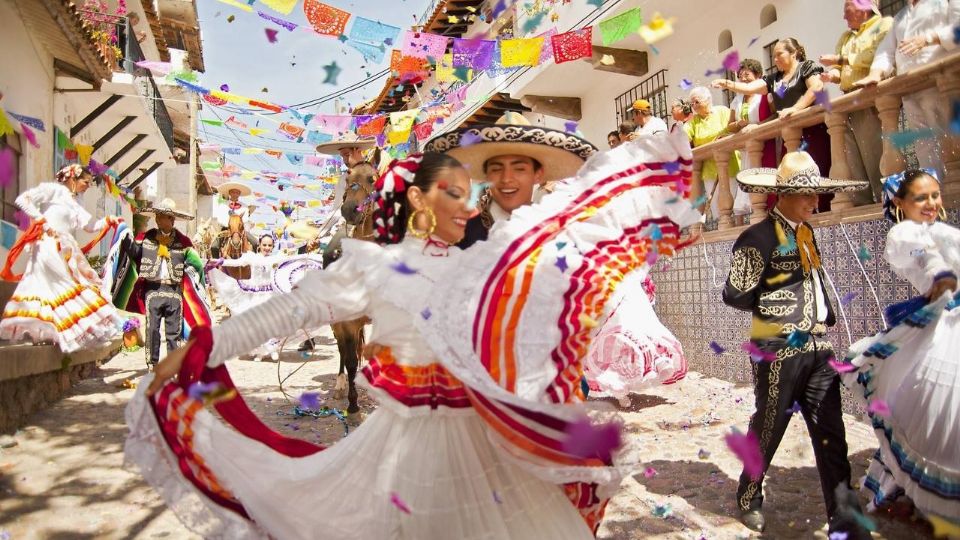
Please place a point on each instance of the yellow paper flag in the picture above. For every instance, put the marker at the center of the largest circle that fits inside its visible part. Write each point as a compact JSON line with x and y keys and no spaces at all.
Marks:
{"x":84,"y":152}
{"x":403,"y":120}
{"x":257,"y":131}
{"x":252,"y":151}
{"x":314,"y":204}
{"x":520,"y":52}
{"x":447,"y":73}
{"x":397,"y":136}
{"x":5,"y":127}
{"x":283,"y":6}
{"x":227,"y":96}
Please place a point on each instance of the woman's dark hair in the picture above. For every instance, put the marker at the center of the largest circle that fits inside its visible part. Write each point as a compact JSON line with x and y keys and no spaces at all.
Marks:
{"x":613,"y":134}
{"x":392,"y":208}
{"x":794,"y":47}
{"x":628,"y":127}
{"x":751,"y":65}
{"x":260,"y":240}
{"x":891,"y":189}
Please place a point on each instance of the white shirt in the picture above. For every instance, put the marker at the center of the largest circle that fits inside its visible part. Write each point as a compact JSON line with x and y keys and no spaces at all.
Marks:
{"x":818,"y":286}
{"x":653,"y":126}
{"x":164,"y":267}
{"x":925,"y":18}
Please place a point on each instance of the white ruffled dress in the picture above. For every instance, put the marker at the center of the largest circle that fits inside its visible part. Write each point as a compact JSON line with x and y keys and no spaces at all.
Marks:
{"x":914,"y":369}
{"x":59,"y":298}
{"x":478,"y":384}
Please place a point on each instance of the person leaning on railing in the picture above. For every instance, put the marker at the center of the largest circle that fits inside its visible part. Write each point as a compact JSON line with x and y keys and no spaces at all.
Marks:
{"x":855,"y":53}
{"x":793,"y":88}
{"x":709,"y":122}
{"x":748,"y":111}
{"x":923,"y":31}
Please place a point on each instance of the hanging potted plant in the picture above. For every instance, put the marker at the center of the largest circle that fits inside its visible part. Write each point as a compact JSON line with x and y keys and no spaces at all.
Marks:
{"x":131,"y":334}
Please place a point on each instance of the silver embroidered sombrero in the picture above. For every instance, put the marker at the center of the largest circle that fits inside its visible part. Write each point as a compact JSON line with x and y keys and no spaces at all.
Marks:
{"x":349,"y":140}
{"x":561,"y":154}
{"x":225,"y":188}
{"x":798,"y":173}
{"x":166,"y":207}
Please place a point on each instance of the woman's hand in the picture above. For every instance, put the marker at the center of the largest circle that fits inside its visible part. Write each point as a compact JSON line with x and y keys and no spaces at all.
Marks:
{"x":912,"y":46}
{"x":829,"y":59}
{"x":783,"y":113}
{"x":722,"y":84}
{"x":749,"y":127}
{"x":168,"y":367}
{"x":869,"y":80}
{"x":941,"y":286}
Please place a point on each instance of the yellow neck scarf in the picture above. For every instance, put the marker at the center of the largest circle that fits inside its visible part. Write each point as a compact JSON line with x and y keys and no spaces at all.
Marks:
{"x":162,"y":250}
{"x":808,"y":251}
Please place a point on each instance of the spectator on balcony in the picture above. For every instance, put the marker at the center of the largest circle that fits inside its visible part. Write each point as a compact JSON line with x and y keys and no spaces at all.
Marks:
{"x":855,"y":53}
{"x":922,"y":32}
{"x":613,"y":139}
{"x":793,"y":88}
{"x":649,"y":124}
{"x":681,"y":112}
{"x":709,"y":122}
{"x":750,"y":110}
{"x":628,"y":131}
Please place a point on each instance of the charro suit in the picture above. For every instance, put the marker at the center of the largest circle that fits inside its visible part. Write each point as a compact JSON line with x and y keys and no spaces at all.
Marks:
{"x":768,"y":279}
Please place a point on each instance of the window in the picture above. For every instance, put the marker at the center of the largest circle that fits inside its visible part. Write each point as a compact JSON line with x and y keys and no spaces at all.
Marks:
{"x":652,"y":89}
{"x":768,"y":15}
{"x":8,"y":194}
{"x":890,"y":8}
{"x":769,"y":67}
{"x":725,"y":41}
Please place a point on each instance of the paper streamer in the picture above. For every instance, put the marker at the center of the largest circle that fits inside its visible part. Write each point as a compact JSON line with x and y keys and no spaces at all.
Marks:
{"x":520,"y":52}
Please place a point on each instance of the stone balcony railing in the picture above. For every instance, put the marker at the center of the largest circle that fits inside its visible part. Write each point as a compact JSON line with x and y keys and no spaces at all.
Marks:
{"x":944,"y":74}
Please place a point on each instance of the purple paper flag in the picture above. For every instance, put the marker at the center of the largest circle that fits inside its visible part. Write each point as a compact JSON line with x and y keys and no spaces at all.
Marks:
{"x":291,"y":26}
{"x":476,"y":54}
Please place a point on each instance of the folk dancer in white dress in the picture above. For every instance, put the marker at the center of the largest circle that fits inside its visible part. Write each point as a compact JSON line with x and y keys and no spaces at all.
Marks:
{"x":468,"y":441}
{"x":59,"y":296}
{"x":909,"y":375}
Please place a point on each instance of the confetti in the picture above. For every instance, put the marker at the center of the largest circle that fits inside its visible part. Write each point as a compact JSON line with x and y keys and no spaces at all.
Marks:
{"x":225,"y":87}
{"x":332,"y":72}
{"x":496,"y":498}
{"x":756,"y":353}
{"x":649,"y":472}
{"x":426,"y":314}
{"x":686,"y":85}
{"x":655,"y":232}
{"x":662,"y":510}
{"x":673,"y":167}
{"x":230,"y":18}
{"x":398,"y":502}
{"x":847,"y":298}
{"x":699,"y":201}
{"x":199,"y":390}
{"x":31,"y":136}
{"x":657,"y":29}
{"x":781,"y":89}
{"x":570,"y":127}
{"x":310,"y":400}
{"x":903,"y":139}
{"x":402,"y":268}
{"x":586,"y":440}
{"x":841,"y":367}
{"x":863,"y":253}
{"x":797,"y":339}
{"x":470,"y":138}
{"x":753,"y":41}
{"x":703,"y":454}
{"x":822,"y":98}
{"x":562,"y":263}
{"x":271,"y":34}
{"x":794,"y":409}
{"x":878,"y":407}
{"x":747,"y":449}
{"x":731,"y":62}
{"x":716,"y":348}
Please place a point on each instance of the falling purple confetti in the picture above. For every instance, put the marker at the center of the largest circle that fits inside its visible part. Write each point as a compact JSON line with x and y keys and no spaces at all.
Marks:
{"x":731,"y":62}
{"x":310,"y":400}
{"x":496,"y":498}
{"x":686,"y":85}
{"x":672,"y":167}
{"x":398,"y":502}
{"x":847,"y":298}
{"x":426,"y":314}
{"x":716,"y":348}
{"x":747,"y":449}
{"x":585,"y":440}
{"x":402,"y":268}
{"x":225,"y":87}
{"x":470,"y":138}
{"x":794,"y":409}
{"x":562,"y":263}
{"x":822,"y":98}
{"x":756,"y":353}
{"x":570,"y":127}
{"x":271,"y":34}
{"x":781,"y":89}
{"x":752,"y":41}
{"x":838,"y":535}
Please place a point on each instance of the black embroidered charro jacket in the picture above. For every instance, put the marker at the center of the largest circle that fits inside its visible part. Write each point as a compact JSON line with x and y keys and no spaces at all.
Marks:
{"x":768,"y":279}
{"x":145,"y":252}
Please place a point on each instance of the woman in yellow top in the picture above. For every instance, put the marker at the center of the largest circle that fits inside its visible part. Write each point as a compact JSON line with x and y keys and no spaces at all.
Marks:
{"x":709,"y":123}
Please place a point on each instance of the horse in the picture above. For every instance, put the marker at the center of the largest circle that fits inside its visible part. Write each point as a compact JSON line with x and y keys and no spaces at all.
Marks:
{"x":204,"y":242}
{"x":357,"y":209}
{"x":233,"y":244}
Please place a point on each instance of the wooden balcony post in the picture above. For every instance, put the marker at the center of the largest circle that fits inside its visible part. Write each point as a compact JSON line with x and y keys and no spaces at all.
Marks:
{"x":724,"y":198}
{"x":839,"y":168}
{"x":889,"y":109}
{"x":758,"y":201}
{"x":792,"y":137}
{"x":949,"y":85}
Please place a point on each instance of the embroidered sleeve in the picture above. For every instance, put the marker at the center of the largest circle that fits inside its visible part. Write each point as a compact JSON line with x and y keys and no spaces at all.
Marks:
{"x":746,"y":267}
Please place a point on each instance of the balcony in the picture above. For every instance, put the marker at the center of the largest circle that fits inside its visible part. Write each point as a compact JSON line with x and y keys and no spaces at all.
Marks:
{"x":943,"y":74}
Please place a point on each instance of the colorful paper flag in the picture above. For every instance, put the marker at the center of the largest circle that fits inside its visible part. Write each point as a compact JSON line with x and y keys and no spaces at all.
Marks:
{"x":657,"y":29}
{"x":282,"y":6}
{"x":476,"y":54}
{"x":370,"y":31}
{"x":333,"y":124}
{"x":291,"y":26}
{"x":620,"y":26}
{"x":407,"y":64}
{"x":5,"y":127}
{"x":403,"y":120}
{"x":371,"y":53}
{"x":574,"y":45}
{"x":35,"y":123}
{"x":423,"y":45}
{"x":326,"y":20}
{"x":238,"y":5}
{"x":446,"y":72}
{"x":520,"y":52}
{"x":84,"y":152}
{"x":372,"y":128}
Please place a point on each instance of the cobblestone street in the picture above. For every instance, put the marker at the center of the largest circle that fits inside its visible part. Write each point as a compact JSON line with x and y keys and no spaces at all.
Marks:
{"x":65,"y":477}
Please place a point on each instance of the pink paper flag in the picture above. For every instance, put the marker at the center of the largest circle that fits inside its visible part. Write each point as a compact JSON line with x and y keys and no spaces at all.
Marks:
{"x":8,"y":166}
{"x":29,"y":135}
{"x":423,"y":45}
{"x":333,"y":123}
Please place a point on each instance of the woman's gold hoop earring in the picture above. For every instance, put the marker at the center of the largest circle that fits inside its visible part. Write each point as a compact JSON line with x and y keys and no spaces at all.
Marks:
{"x":412,"y":224}
{"x":897,"y":214}
{"x":942,"y":213}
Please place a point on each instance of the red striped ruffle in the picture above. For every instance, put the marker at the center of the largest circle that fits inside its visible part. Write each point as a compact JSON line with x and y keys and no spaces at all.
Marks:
{"x":428,"y":385}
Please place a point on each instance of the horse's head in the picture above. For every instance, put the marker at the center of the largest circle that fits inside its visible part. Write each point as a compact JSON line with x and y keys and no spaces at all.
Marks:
{"x":357,"y":200}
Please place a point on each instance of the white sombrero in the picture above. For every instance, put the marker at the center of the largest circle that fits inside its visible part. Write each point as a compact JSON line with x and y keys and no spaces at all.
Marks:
{"x":349,"y":140}
{"x":561,"y":154}
{"x":224,"y":188}
{"x":166,"y":207}
{"x":798,"y":173}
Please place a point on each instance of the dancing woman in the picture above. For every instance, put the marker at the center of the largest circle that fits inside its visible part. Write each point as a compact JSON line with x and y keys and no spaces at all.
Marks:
{"x":909,"y":374}
{"x":59,"y":297}
{"x":468,"y":441}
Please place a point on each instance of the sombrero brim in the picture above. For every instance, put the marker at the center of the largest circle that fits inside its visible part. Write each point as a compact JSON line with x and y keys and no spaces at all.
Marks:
{"x":764,"y":180}
{"x":561,"y":154}
{"x":224,"y":188}
{"x":166,"y":212}
{"x":333,"y":148}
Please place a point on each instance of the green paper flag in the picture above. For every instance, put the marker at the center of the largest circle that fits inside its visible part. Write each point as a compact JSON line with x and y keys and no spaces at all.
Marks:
{"x":211,"y":122}
{"x":63,"y":142}
{"x":616,"y":28}
{"x":210,"y":165}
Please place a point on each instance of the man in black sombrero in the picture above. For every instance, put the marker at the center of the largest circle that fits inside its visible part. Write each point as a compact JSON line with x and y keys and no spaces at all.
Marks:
{"x":776,"y":275}
{"x":516,"y":160}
